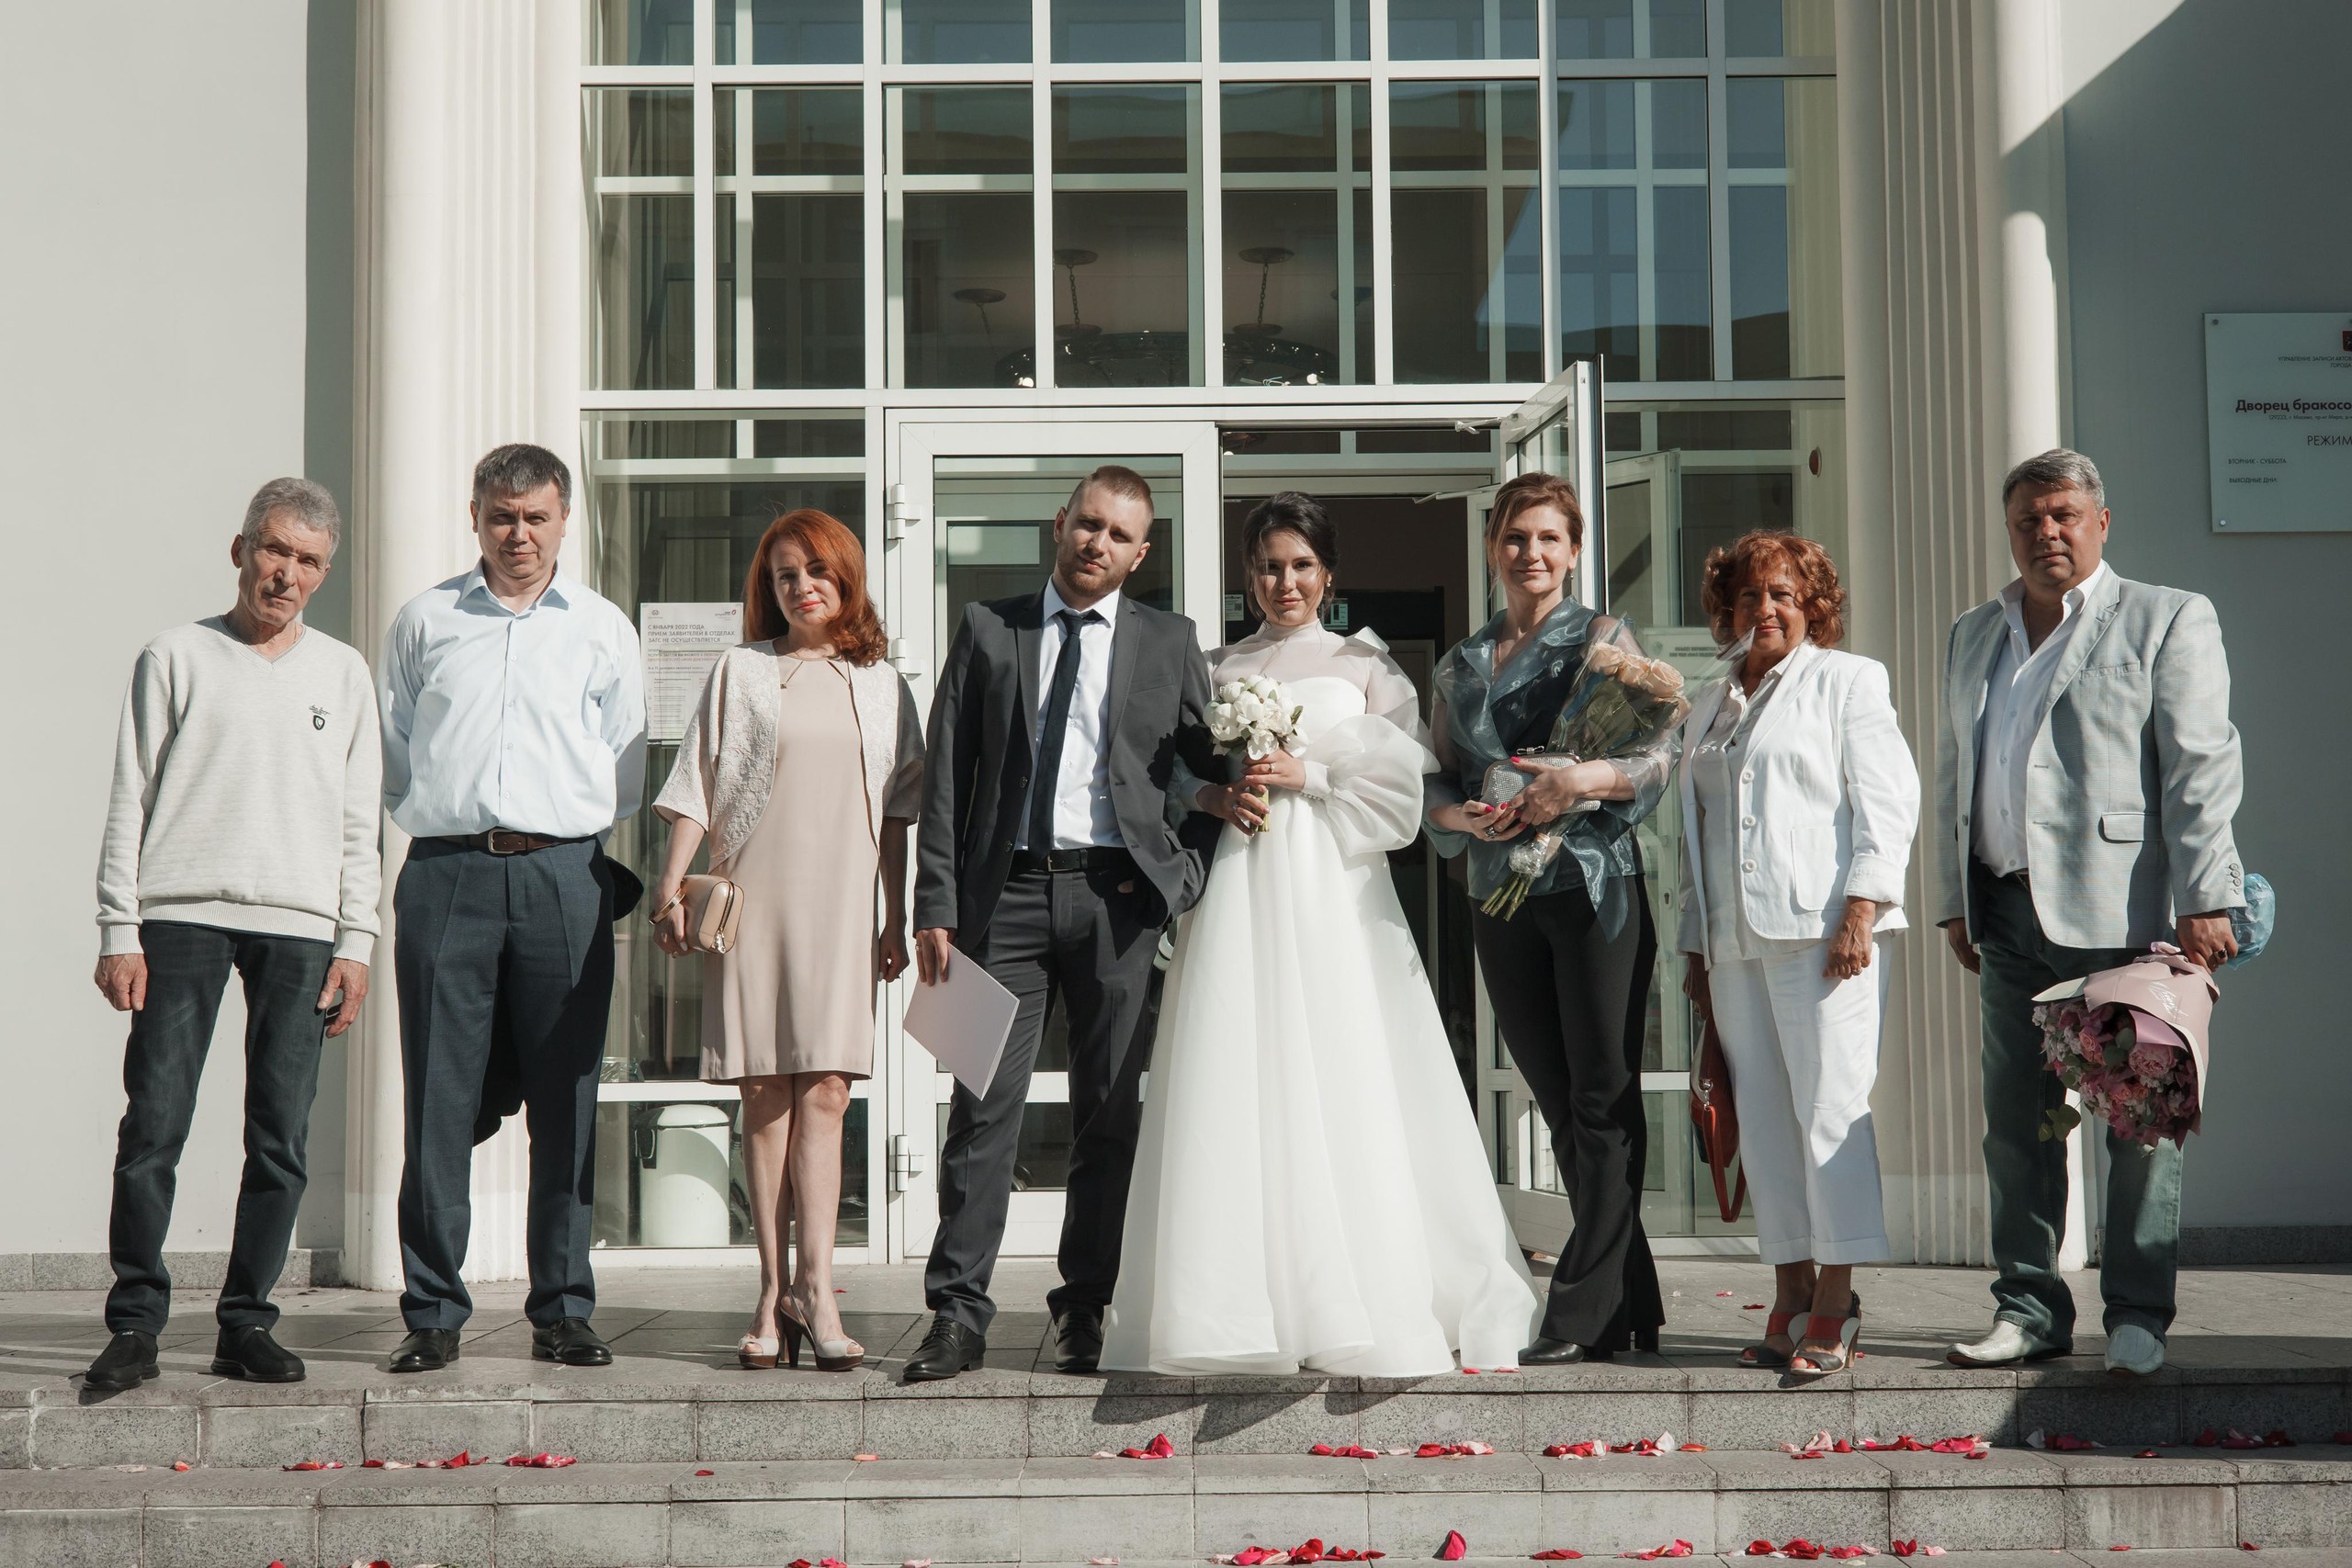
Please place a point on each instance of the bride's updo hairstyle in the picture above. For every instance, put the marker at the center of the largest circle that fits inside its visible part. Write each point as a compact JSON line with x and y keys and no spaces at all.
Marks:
{"x":1290,"y":512}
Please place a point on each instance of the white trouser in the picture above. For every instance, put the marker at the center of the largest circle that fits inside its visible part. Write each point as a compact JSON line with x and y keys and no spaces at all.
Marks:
{"x":1804,"y":1054}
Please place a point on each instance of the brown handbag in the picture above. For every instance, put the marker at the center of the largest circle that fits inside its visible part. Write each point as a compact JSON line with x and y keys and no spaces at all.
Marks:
{"x":1714,"y":1119}
{"x":714,"y":908}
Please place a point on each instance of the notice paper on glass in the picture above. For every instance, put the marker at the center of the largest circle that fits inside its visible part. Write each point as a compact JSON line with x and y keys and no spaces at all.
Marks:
{"x":963,"y":1022}
{"x":682,"y":642}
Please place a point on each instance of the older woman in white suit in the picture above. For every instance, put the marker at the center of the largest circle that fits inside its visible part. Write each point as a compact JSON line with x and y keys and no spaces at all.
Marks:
{"x":1801,"y":800}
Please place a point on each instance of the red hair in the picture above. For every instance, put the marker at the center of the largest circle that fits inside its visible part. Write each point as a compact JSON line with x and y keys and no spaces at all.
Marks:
{"x":1820,"y":598}
{"x":857,"y":629}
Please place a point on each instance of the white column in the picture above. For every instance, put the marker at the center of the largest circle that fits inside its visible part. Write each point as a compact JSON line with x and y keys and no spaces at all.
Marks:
{"x":2020,"y":190}
{"x":1954,"y":265}
{"x":470,"y":220}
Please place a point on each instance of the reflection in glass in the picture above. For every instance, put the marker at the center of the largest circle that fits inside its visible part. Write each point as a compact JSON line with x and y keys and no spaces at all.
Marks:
{"x":960,"y":32}
{"x":1282,"y":288}
{"x":1763,"y":27}
{"x":1295,"y":29}
{"x":1472,"y":316}
{"x":1121,"y":309}
{"x":1785,"y":280}
{"x":793,"y":32}
{"x":1734,"y":468}
{"x":641,"y":32}
{"x":965,"y":130}
{"x":970,"y":287}
{"x":645,"y":282}
{"x":1597,"y":120}
{"x":1091,"y":31}
{"x":1632,"y":29}
{"x":1600,"y":287}
{"x":808,"y":306}
{"x":1123,"y":130}
{"x":671,"y":1175}
{"x":794,"y":131}
{"x":1458,"y":29}
{"x":1286,"y":128}
{"x":1440,"y":125}
{"x":643,"y":131}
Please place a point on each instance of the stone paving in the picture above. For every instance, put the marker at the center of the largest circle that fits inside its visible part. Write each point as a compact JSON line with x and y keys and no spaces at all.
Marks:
{"x":685,"y":1459}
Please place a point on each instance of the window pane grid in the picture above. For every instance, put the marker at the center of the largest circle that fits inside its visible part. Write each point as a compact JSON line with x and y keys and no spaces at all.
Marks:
{"x":1688,"y":237}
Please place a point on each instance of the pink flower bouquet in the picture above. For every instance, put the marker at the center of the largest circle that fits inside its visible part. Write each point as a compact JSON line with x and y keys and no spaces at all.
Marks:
{"x":2131,"y":1042}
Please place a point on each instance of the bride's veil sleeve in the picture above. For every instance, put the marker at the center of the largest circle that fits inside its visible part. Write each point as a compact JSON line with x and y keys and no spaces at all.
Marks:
{"x":1367,"y":771}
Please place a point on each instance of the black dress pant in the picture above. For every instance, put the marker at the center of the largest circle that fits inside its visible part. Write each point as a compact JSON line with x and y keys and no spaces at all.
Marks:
{"x":1571,"y":990}
{"x":188,"y":968}
{"x":519,"y":947}
{"x":1091,"y":937}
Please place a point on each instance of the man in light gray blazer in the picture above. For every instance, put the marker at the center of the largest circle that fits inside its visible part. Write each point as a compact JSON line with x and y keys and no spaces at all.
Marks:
{"x":2087,"y":772}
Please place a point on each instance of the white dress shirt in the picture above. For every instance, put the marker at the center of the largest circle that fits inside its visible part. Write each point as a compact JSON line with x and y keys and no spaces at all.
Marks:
{"x":2017,"y":699}
{"x":1713,"y":770}
{"x":493,"y":718}
{"x":1083,"y":814}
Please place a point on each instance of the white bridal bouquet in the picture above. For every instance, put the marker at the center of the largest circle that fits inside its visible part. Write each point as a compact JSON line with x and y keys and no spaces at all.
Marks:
{"x":1253,"y":716}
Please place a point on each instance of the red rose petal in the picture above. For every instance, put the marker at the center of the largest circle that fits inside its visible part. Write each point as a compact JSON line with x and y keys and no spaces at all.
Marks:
{"x":1159,"y":1446}
{"x":1321,"y":1450}
{"x":2206,"y":1438}
{"x":1753,"y":1307}
{"x":1841,"y":1446}
{"x":1760,"y":1548}
{"x":865,"y":1459}
{"x":706,"y":1472}
{"x":1556,"y":1555}
{"x":2249,"y":1546}
{"x":1694,"y":1448}
{"x":1723,"y":1292}
{"x":2277,"y":1439}
{"x":802,"y":1563}
{"x":1455,"y":1549}
{"x":1903,"y":1548}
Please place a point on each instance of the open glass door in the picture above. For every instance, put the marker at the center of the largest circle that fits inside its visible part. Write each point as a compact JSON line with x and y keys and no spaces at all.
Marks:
{"x":970,"y":517}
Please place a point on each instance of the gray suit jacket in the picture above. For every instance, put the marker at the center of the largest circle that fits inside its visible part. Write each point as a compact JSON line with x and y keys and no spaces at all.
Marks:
{"x":978,"y":756}
{"x":2134,"y":776}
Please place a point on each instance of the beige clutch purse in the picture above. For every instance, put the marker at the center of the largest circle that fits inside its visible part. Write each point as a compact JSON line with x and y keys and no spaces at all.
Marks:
{"x":714,"y":908}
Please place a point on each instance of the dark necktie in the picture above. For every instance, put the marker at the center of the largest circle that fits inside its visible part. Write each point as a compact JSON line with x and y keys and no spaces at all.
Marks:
{"x":1045,"y":783}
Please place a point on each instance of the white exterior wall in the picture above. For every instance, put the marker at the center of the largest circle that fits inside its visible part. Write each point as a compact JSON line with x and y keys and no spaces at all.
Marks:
{"x":2204,"y":144}
{"x":152,"y":375}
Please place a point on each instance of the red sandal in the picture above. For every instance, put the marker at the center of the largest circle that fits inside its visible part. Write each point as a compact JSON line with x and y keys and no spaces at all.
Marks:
{"x":1763,"y":1355}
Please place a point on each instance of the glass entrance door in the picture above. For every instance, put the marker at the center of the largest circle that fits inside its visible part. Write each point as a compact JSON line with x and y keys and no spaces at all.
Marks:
{"x":970,"y":517}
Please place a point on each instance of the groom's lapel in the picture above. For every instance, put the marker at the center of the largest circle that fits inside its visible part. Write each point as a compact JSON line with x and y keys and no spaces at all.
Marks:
{"x":1028,"y":637}
{"x":1127,"y":640}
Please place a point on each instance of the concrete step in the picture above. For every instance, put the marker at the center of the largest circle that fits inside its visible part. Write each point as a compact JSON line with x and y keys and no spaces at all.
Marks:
{"x":986,"y":1511}
{"x":690,"y":1404}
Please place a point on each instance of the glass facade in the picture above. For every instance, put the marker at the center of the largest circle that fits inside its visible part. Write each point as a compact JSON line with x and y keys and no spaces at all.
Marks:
{"x":808,"y":215}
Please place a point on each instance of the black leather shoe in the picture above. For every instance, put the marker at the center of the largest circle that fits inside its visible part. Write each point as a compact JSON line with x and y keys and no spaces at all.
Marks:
{"x":1078,"y":1333}
{"x":426,"y":1350}
{"x":1548,"y":1352}
{"x":948,"y":1349}
{"x":250,"y":1353}
{"x":572,"y":1342}
{"x":128,"y":1360}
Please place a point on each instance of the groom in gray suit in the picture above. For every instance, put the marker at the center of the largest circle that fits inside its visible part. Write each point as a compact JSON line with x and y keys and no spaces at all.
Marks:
{"x":1046,"y":855}
{"x":2087,"y":773}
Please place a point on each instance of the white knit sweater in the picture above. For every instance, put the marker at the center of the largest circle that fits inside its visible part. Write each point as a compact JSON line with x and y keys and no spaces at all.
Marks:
{"x":247,"y":793}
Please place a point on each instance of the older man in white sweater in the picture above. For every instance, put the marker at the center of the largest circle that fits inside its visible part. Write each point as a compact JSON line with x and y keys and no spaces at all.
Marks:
{"x":243,"y":834}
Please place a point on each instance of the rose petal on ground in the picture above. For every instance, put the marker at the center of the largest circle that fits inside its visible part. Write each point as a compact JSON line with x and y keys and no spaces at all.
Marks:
{"x":1760,"y":1548}
{"x":2206,"y":1438}
{"x":1555,"y":1554}
{"x":1321,"y":1450}
{"x":864,"y":1458}
{"x":1753,"y":1307}
{"x":1455,"y":1549}
{"x":1903,"y":1548}
{"x":1692,"y":1449}
{"x":801,"y":1562}
{"x":1723,"y":1292}
{"x":706,"y":1472}
{"x":1159,"y":1446}
{"x":2277,"y":1439}
{"x":2249,"y":1546}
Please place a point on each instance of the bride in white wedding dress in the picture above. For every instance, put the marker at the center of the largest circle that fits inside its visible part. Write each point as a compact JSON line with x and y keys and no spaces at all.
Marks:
{"x":1310,"y":1190}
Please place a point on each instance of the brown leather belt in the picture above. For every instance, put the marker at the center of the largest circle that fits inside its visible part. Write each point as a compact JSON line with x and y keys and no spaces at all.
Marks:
{"x":508,"y":841}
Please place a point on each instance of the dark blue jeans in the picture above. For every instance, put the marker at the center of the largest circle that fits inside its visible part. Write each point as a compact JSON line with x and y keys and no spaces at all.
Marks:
{"x":2139,"y":1247}
{"x":188,"y":968}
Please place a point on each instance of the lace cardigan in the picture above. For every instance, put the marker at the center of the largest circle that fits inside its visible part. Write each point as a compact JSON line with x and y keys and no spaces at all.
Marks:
{"x":726,"y":765}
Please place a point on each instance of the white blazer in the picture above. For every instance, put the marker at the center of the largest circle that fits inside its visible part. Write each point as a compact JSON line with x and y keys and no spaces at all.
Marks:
{"x":1828,"y":802}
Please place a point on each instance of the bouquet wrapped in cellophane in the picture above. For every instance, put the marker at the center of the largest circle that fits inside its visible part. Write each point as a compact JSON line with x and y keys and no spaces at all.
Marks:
{"x":2131,"y":1042}
{"x":1622,"y":703}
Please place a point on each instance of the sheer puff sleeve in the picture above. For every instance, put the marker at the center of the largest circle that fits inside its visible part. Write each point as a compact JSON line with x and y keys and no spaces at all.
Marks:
{"x":1365,"y":772}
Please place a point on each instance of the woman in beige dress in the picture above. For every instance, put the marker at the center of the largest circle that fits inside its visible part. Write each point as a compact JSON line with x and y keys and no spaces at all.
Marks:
{"x":801,"y":770}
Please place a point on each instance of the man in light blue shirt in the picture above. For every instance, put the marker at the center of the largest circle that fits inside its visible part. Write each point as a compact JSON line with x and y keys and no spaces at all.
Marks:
{"x":513,"y":738}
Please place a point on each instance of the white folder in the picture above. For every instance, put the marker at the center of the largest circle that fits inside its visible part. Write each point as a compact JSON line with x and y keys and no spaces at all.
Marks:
{"x":964,"y":1020}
